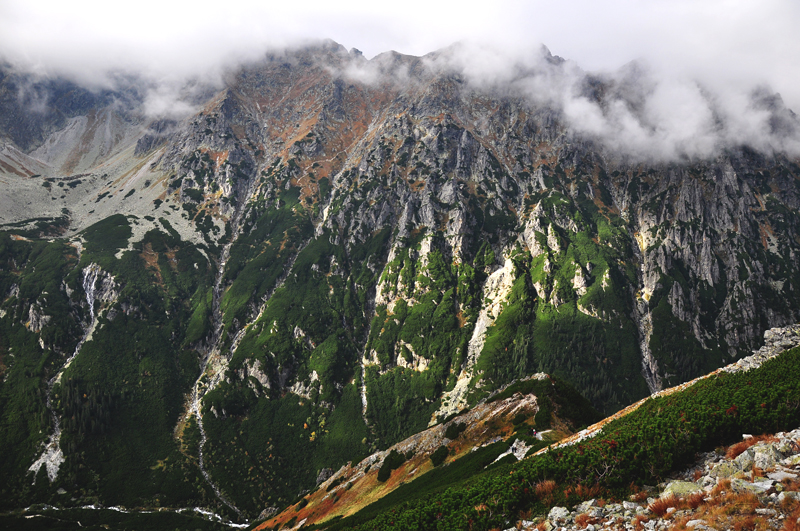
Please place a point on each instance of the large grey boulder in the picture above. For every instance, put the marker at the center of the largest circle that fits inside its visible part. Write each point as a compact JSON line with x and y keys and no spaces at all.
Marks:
{"x":745,"y":460}
{"x":766,"y":457}
{"x":680,"y":489}
{"x":725,"y":469}
{"x":558,"y":514}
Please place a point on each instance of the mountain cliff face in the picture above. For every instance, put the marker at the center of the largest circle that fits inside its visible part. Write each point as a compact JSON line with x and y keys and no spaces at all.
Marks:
{"x":332,"y":254}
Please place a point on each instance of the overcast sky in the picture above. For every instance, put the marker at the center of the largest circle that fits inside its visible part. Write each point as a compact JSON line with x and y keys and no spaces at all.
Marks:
{"x":733,"y":40}
{"x":726,"y":45}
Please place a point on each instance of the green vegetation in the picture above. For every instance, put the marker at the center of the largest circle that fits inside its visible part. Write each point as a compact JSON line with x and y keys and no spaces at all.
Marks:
{"x":32,"y":273}
{"x":662,"y":436}
{"x":402,"y":400}
{"x":307,"y":338}
{"x":454,"y":430}
{"x":391,"y":462}
{"x":469,"y":466}
{"x":301,"y":432}
{"x":597,"y":353}
{"x":553,"y":396}
{"x":108,"y":236}
{"x":119,"y":400}
{"x":257,"y":258}
{"x":40,"y":227}
{"x":438,"y":457}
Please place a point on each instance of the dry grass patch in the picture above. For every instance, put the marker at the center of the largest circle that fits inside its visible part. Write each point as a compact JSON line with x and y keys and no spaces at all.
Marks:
{"x":729,"y":510}
{"x":735,"y":450}
{"x":638,"y":495}
{"x":723,"y":485}
{"x":792,"y":485}
{"x":721,"y":509}
{"x":583,"y":520}
{"x":732,"y":504}
{"x":693,"y":501}
{"x":583,"y":492}
{"x":746,"y":524}
{"x":544,"y":490}
{"x":757,"y":473}
{"x":661,"y":505}
{"x":792,"y":520}
{"x":680,"y":523}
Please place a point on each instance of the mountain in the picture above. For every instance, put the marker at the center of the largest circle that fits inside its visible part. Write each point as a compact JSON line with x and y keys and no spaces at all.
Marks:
{"x":327,"y":255}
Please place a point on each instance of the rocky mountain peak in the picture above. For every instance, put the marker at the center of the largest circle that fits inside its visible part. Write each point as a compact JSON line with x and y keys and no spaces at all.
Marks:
{"x":326,"y":254}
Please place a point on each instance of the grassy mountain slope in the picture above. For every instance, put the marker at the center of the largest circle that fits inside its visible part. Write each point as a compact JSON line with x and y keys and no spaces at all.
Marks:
{"x":471,"y":442}
{"x":655,"y":437}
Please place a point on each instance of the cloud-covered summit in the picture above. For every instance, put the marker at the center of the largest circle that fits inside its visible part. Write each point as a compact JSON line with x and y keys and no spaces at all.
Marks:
{"x":657,"y":79}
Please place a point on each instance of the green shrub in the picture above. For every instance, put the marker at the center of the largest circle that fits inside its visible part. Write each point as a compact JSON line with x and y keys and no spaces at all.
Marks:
{"x":454,"y":430}
{"x":391,"y":462}
{"x":194,"y":195}
{"x":519,"y":418}
{"x":108,"y":236}
{"x":438,"y":457}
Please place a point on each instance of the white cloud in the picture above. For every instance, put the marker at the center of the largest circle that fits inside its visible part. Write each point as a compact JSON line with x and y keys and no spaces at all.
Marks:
{"x":704,"y":58}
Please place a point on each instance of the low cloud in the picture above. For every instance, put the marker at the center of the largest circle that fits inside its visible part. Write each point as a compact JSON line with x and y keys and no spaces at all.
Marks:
{"x":669,"y":78}
{"x":641,"y":110}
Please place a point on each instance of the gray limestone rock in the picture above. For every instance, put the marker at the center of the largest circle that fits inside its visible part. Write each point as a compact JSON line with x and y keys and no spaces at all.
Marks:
{"x":266,"y":513}
{"x":745,"y":460}
{"x":36,"y":319}
{"x":558,"y":514}
{"x":765,"y":457}
{"x":724,"y":469}
{"x":631,"y":506}
{"x":324,"y":475}
{"x":587,"y":506}
{"x":680,"y":489}
{"x":759,"y":487}
{"x":785,"y":446}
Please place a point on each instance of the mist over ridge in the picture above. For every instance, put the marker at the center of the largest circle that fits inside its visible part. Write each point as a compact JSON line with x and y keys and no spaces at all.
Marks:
{"x":659,"y":81}
{"x":639,"y":111}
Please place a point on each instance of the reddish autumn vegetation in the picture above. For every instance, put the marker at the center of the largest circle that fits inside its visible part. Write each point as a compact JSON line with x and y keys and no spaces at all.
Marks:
{"x":661,"y":505}
{"x":735,"y":450}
